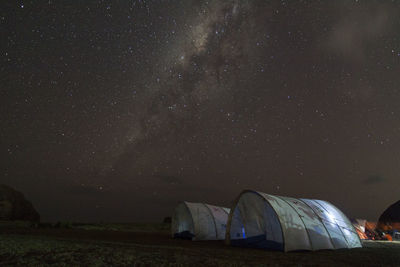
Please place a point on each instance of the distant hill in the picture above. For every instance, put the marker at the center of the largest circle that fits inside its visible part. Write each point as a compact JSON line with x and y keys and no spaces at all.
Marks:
{"x":14,"y":206}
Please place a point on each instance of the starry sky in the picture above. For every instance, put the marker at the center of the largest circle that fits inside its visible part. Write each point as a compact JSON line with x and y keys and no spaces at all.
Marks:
{"x":118,"y":110}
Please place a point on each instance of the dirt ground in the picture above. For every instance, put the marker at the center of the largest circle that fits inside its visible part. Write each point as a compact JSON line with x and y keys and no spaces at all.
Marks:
{"x":78,"y":247}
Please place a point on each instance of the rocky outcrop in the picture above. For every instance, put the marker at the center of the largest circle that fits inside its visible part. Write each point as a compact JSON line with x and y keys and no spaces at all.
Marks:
{"x":14,"y":206}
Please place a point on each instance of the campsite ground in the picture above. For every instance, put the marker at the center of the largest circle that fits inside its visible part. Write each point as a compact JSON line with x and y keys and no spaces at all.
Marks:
{"x":150,"y":244}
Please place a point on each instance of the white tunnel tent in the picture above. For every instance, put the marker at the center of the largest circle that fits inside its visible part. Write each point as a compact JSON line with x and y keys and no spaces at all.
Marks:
{"x":283,"y":223}
{"x":199,"y":221}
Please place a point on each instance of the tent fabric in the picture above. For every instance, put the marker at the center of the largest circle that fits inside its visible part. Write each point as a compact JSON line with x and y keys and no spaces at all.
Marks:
{"x":282,"y":223}
{"x":390,"y":218}
{"x":359,"y":225}
{"x":199,"y":221}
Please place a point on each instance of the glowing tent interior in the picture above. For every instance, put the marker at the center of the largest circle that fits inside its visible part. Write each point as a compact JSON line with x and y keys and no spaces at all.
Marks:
{"x":199,"y":221}
{"x":283,"y":223}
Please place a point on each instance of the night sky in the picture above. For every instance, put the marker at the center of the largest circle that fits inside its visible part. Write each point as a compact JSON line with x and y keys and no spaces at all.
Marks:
{"x":117,"y":110}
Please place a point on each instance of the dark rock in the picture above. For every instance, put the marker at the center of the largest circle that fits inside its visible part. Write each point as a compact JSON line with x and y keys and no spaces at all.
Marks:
{"x":14,"y":206}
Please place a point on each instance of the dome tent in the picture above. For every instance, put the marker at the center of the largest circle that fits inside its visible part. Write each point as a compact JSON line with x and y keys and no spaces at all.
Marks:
{"x":283,"y":223}
{"x":390,"y":218}
{"x":199,"y":221}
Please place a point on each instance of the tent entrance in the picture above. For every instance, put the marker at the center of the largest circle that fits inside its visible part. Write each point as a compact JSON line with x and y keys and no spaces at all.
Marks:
{"x":258,"y":227}
{"x":182,"y":223}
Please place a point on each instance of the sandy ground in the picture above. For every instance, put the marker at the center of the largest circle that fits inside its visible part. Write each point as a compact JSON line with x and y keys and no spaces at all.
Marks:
{"x":77,"y":247}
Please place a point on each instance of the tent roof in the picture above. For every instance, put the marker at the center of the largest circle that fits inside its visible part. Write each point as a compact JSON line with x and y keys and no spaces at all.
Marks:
{"x":306,"y":224}
{"x":203,"y":221}
{"x":391,"y":214}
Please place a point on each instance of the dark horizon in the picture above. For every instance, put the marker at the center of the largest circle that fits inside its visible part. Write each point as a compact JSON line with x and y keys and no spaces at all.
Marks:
{"x":83,"y":216}
{"x":116,"y":111}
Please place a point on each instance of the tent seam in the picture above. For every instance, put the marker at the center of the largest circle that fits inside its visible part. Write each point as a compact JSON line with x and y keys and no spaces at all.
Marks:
{"x":340,"y":229}
{"x":215,"y":223}
{"x":305,"y":227}
{"x":277,"y":216}
{"x":191,"y":216}
{"x":354,"y":229}
{"x":230,"y":215}
{"x":320,"y":219}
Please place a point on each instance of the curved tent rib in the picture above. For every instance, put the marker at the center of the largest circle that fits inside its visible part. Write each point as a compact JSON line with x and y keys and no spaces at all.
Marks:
{"x":213,"y":219}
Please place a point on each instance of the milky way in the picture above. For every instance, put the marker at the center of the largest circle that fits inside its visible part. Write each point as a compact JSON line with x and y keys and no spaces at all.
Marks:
{"x":108,"y":108}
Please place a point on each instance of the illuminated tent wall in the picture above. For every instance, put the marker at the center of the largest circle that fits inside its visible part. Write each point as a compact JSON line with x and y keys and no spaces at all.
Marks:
{"x":283,"y":223}
{"x":199,"y":221}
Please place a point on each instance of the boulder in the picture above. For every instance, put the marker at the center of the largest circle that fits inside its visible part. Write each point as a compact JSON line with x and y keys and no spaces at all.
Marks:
{"x":14,"y":206}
